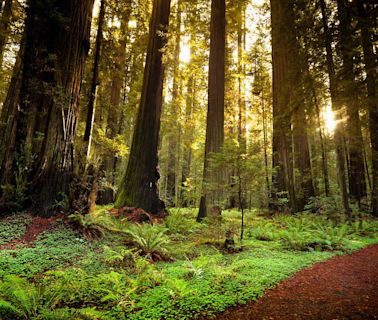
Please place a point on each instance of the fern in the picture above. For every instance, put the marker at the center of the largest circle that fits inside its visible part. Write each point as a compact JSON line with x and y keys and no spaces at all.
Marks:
{"x":57,"y":314}
{"x":150,"y":239}
{"x":19,"y":297}
{"x":94,"y":225}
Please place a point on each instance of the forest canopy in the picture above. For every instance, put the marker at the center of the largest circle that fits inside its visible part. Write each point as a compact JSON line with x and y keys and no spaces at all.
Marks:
{"x":216,"y":104}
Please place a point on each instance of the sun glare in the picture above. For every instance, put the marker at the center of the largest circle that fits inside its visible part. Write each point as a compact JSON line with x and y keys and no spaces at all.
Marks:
{"x":258,"y":2}
{"x":329,"y":119}
{"x":185,"y":52}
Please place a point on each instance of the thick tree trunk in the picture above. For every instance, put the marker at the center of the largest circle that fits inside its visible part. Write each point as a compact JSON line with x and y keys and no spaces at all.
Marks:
{"x":357,"y":181}
{"x":94,"y":85}
{"x":338,"y":135}
{"x":139,"y":186}
{"x":215,"y":112}
{"x":5,"y":26}
{"x":302,"y":163}
{"x":365,"y":24}
{"x":55,"y":51}
{"x":282,"y":179}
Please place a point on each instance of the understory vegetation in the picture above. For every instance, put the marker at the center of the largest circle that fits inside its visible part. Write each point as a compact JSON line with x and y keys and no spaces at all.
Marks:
{"x":175,"y":269}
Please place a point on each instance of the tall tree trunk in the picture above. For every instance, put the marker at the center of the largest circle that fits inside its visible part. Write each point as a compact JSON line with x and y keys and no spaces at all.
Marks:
{"x":302,"y":161}
{"x":215,"y":111}
{"x":174,"y":131}
{"x":265,"y":136}
{"x":139,"y":186}
{"x":365,"y":24}
{"x":5,"y":26}
{"x":338,"y":134}
{"x":55,"y":52}
{"x":187,"y":152}
{"x":282,"y":179}
{"x":357,"y":181}
{"x":94,"y":84}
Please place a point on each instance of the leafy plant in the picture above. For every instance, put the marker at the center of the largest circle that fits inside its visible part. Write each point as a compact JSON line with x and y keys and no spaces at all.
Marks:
{"x":177,"y":223}
{"x":150,"y":239}
{"x":14,"y":195}
{"x":119,"y":256}
{"x":19,"y":298}
{"x":93,"y":225}
{"x":264,"y":230}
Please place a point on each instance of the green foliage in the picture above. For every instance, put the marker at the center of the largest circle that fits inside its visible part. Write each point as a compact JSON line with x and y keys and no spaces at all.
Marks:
{"x":13,"y":227}
{"x":178,"y":224}
{"x":53,"y":249}
{"x":70,"y":278}
{"x":322,"y":205}
{"x":150,"y":239}
{"x":93,"y":225}
{"x":14,"y":195}
{"x":264,"y":230}
{"x":19,"y":298}
{"x":119,"y":256}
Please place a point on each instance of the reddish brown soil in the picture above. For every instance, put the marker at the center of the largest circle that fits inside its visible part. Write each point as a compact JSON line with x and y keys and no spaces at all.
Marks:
{"x":342,"y":288}
{"x":35,"y":228}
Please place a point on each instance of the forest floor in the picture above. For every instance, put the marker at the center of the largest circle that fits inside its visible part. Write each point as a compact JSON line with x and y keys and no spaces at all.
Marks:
{"x":57,"y":268}
{"x":343,"y":287}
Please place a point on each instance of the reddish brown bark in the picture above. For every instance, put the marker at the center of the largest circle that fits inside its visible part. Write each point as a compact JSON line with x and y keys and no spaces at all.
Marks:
{"x":139,"y":185}
{"x":55,"y":51}
{"x":215,"y":111}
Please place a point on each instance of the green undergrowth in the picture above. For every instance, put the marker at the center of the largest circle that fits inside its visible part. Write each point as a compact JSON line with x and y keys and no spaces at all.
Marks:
{"x":174,"y":270}
{"x":13,"y":227}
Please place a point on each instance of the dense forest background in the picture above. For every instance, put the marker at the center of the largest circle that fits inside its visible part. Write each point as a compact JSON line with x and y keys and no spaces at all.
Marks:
{"x":153,"y":104}
{"x":170,"y":159}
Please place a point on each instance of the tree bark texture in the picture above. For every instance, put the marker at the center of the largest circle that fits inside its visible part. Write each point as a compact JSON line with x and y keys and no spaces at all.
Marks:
{"x":357,"y":180}
{"x":45,"y":124}
{"x":139,"y":185}
{"x":365,"y":15}
{"x":282,"y":179}
{"x":215,"y":111}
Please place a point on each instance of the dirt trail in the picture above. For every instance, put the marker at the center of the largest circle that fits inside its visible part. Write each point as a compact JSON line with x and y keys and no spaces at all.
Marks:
{"x":342,"y":288}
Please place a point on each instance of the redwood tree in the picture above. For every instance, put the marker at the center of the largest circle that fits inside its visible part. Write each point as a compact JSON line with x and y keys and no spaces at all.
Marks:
{"x":357,"y":181}
{"x":282,"y":179}
{"x":42,"y":143}
{"x":215,"y":111}
{"x":139,"y":185}
{"x":365,"y":12}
